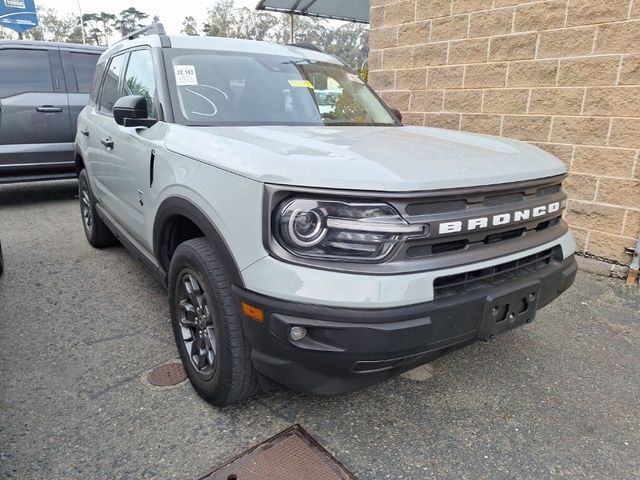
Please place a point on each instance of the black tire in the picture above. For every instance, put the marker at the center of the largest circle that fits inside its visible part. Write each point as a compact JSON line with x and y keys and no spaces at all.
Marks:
{"x":97,"y":233}
{"x":212,"y":345}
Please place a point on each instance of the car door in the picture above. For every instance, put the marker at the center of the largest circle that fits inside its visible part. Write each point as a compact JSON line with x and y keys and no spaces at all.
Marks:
{"x":35,"y":130}
{"x":130,"y":149}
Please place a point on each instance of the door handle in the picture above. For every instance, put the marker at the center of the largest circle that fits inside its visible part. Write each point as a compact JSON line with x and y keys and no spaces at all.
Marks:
{"x":85,"y":132}
{"x":48,"y":109}
{"x":107,"y":142}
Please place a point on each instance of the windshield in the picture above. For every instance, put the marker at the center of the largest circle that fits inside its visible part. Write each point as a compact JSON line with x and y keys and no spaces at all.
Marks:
{"x":233,"y":88}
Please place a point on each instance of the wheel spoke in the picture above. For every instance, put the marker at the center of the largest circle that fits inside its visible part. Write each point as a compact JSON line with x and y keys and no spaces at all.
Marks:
{"x":188,"y":314}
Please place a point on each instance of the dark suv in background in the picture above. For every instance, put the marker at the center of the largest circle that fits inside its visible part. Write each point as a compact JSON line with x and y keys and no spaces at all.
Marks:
{"x":43,"y":88}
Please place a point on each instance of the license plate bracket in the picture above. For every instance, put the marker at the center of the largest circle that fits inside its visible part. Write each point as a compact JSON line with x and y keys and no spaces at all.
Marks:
{"x":504,"y":311}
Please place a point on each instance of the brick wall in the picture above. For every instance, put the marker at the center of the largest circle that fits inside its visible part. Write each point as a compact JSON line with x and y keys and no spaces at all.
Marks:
{"x":563,"y":75}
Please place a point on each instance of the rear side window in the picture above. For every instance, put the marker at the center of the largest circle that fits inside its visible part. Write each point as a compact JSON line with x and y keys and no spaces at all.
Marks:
{"x":24,"y":71}
{"x":84,"y":64}
{"x":111,"y":84}
{"x":95,"y":87}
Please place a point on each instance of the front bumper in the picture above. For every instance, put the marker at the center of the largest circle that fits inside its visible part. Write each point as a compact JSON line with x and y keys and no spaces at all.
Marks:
{"x":349,"y":348}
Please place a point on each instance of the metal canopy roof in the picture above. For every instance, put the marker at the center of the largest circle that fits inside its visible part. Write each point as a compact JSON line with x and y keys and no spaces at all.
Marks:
{"x":348,"y":10}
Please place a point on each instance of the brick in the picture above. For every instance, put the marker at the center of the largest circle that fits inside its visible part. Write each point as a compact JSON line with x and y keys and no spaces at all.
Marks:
{"x":379,"y":3}
{"x":466,"y":6}
{"x":586,"y":12}
{"x":383,"y":38}
{"x":414,"y":33}
{"x":588,"y":71}
{"x":469,"y":51}
{"x":533,"y":73}
{"x":558,"y":101}
{"x":445,"y":77}
{"x":540,"y":16}
{"x":491,"y":22}
{"x":375,"y":60}
{"x":413,"y":118}
{"x":505,"y":101}
{"x":463,"y":100}
{"x":521,"y":46}
{"x":442,"y":120}
{"x":399,"y":100}
{"x":412,"y":79}
{"x":613,"y":101}
{"x":381,"y":80}
{"x":570,"y":42}
{"x":618,"y":191}
{"x":610,"y":246}
{"x":580,"y":130}
{"x":618,"y":38}
{"x":614,"y":162}
{"x":485,"y":75}
{"x":625,"y":132}
{"x":449,"y":28}
{"x":376,"y":17}
{"x":480,"y":123}
{"x":580,"y":235}
{"x":426,"y":101}
{"x":560,"y":151}
{"x":426,"y":9}
{"x":635,"y":9}
{"x":429,"y":54}
{"x":399,"y":57}
{"x":400,"y":12}
{"x":594,"y":216}
{"x":526,"y":127}
{"x":632,"y":224}
{"x":630,"y":71}
{"x":580,"y":187}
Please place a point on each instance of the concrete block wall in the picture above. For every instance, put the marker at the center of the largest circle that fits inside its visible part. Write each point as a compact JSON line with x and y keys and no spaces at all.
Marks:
{"x":561,"y":74}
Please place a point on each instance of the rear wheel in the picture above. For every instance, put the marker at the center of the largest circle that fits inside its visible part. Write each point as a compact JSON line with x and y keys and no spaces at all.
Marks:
{"x":207,"y":327}
{"x":96,"y":231}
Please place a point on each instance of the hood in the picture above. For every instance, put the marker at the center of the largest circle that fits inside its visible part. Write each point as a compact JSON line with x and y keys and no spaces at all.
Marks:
{"x":364,"y":158}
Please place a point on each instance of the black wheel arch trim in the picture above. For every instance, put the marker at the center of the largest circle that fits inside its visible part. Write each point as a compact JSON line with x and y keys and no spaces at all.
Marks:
{"x":179,"y":206}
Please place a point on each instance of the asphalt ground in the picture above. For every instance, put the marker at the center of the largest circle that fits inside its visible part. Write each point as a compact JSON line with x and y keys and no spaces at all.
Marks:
{"x":80,"y":328}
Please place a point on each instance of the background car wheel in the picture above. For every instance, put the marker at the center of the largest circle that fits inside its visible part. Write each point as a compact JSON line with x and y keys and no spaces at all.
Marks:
{"x":97,"y":233}
{"x":207,"y":327}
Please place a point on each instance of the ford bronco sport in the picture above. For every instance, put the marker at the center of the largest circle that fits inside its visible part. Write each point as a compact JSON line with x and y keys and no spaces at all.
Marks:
{"x":322,"y":249}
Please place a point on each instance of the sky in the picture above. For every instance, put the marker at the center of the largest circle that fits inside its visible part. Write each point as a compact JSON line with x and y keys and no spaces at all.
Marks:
{"x":166,"y":10}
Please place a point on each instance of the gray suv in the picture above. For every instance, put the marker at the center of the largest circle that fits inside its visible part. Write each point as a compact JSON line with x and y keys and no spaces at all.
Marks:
{"x":323,"y":245}
{"x":43,"y":88}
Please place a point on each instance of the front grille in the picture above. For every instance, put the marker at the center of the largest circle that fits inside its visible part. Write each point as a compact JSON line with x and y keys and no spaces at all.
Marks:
{"x":491,"y":276}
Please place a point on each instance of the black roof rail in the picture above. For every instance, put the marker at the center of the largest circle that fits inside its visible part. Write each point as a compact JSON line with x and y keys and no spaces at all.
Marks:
{"x":153,"y":29}
{"x":308,"y":46}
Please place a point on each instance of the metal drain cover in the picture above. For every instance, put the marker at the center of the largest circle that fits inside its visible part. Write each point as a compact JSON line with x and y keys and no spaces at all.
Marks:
{"x":167,"y":375}
{"x":291,"y":455}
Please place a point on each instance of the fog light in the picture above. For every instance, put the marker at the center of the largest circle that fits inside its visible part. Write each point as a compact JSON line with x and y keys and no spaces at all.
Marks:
{"x":297,"y":333}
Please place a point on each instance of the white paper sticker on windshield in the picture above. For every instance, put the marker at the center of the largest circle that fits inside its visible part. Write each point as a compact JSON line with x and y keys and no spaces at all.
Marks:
{"x":185,"y":75}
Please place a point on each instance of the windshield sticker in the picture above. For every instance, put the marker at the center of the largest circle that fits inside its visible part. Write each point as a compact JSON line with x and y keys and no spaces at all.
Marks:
{"x":354,"y":78}
{"x":185,"y":75}
{"x":301,"y":83}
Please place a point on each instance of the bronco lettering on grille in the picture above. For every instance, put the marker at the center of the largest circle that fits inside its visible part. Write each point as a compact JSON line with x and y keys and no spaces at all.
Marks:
{"x":498,"y":219}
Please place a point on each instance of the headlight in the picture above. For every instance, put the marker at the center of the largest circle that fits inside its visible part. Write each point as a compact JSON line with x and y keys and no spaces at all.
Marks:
{"x":335,"y":230}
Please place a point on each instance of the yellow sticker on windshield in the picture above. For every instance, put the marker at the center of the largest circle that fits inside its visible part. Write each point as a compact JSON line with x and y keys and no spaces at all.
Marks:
{"x":301,"y":83}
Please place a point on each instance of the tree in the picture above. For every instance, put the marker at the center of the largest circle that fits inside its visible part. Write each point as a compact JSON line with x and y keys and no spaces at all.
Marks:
{"x":129,"y":20}
{"x":189,"y":26}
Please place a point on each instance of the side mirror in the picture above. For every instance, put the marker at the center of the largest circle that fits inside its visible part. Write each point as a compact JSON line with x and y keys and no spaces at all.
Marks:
{"x":131,"y":111}
{"x":396,"y":113}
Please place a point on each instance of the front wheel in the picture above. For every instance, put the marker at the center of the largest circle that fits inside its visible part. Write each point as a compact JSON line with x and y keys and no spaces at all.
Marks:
{"x":206,"y":325}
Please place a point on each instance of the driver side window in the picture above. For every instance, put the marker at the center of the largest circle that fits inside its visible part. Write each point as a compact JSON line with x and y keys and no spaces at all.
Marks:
{"x":111,"y":82}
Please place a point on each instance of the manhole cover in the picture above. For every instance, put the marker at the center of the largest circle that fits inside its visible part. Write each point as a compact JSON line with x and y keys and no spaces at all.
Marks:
{"x":291,"y":455}
{"x":167,"y":375}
